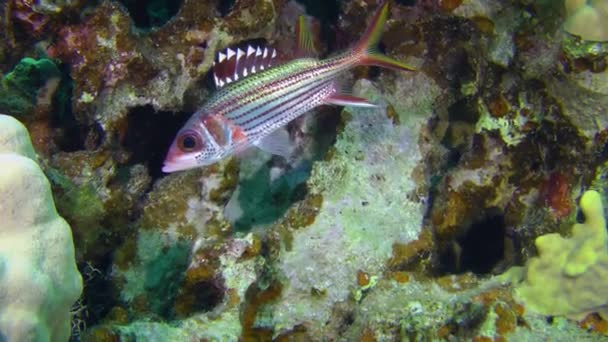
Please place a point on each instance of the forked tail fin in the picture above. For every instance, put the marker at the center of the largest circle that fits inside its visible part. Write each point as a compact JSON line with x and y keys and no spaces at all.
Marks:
{"x":367,"y":45}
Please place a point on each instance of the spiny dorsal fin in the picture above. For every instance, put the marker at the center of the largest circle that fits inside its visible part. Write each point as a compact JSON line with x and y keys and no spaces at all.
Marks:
{"x":306,"y":44}
{"x":235,"y":63}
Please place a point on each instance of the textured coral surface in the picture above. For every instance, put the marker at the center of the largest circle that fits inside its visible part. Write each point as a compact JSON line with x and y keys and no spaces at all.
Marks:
{"x":39,"y":281}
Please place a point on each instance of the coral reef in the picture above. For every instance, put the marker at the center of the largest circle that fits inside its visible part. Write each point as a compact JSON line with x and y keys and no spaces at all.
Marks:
{"x":39,"y":281}
{"x":387,"y":224}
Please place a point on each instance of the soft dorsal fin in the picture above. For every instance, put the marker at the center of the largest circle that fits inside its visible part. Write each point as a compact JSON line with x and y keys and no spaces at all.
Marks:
{"x":235,"y":63}
{"x":306,"y":44}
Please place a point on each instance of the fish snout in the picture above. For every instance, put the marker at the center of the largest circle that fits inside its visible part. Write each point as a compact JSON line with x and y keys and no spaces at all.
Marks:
{"x":177,"y":160}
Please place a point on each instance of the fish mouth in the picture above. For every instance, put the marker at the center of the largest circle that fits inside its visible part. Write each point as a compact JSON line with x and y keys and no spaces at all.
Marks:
{"x":173,"y":166}
{"x":169,"y":167}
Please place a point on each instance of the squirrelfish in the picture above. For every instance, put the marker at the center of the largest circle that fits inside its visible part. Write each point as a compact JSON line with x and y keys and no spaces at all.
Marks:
{"x":257,"y":95}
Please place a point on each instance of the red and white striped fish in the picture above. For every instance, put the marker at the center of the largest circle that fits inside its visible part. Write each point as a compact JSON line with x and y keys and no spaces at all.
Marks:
{"x":257,"y":96}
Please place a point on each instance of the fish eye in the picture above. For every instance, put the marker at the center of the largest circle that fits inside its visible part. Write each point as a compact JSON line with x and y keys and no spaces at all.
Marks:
{"x":189,"y":142}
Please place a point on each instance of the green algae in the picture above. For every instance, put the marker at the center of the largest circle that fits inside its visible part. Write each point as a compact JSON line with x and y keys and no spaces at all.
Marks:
{"x":263,"y":201}
{"x":163,"y":275}
{"x":81,"y":207}
{"x":575,"y":47}
{"x":19,"y":88}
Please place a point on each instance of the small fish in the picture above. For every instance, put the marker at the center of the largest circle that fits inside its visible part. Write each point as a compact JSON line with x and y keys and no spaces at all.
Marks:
{"x":257,"y":96}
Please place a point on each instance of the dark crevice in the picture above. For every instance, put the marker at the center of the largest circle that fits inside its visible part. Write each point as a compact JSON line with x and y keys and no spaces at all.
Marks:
{"x":483,"y":245}
{"x":149,"y":136}
{"x":464,"y":110}
{"x":328,"y":12}
{"x":147,"y":14}
{"x":205,"y":296}
{"x":225,"y":6}
{"x":410,"y":3}
{"x":74,"y":133}
{"x":73,"y":137}
{"x":98,"y":296}
{"x":479,"y":249}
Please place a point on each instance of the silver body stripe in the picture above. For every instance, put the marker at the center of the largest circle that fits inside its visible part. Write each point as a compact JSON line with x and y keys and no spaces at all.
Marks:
{"x":270,"y":99}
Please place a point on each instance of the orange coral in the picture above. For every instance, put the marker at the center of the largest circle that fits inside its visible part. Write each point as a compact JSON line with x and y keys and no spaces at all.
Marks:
{"x":594,"y":322}
{"x":555,"y":194}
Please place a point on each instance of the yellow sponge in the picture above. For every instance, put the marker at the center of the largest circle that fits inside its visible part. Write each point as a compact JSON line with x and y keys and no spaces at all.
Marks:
{"x":570,"y":276}
{"x":587,"y":19}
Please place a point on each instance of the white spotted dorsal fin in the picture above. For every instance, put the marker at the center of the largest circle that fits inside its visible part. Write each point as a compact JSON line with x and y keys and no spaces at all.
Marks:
{"x":235,"y":63}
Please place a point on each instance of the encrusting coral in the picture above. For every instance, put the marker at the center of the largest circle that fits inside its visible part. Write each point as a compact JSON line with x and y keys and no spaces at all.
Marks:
{"x":39,"y":281}
{"x":569,"y":276}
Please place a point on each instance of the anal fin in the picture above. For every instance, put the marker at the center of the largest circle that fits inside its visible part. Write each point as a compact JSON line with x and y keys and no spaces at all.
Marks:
{"x":349,"y":100}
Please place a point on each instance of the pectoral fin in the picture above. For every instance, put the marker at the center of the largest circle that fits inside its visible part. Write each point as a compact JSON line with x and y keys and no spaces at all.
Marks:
{"x":349,"y":100}
{"x":277,"y":143}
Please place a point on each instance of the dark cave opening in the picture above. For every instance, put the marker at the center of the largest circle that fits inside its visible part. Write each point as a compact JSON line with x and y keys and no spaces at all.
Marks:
{"x":98,"y":295}
{"x":71,"y":134}
{"x":480,"y":249}
{"x":327,"y":12}
{"x":409,"y":3}
{"x":205,"y":295}
{"x":225,"y":6}
{"x":147,"y":14}
{"x":149,"y":136}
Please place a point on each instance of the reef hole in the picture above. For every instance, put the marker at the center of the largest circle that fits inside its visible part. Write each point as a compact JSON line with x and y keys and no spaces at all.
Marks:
{"x":225,"y":6}
{"x":149,"y":135}
{"x":480,"y":248}
{"x":328,"y":12}
{"x":203,"y":296}
{"x":406,"y":2}
{"x":73,"y":134}
{"x":147,"y":14}
{"x":98,"y":296}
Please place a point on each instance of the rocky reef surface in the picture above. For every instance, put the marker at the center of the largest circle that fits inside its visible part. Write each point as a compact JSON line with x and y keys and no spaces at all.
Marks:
{"x":432,"y":217}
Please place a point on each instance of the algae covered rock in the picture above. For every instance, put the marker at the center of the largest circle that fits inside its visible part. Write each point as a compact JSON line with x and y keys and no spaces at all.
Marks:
{"x":39,"y":281}
{"x":368,"y":190}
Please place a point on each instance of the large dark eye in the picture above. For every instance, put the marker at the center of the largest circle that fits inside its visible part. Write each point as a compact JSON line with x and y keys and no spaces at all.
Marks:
{"x":189,"y":142}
